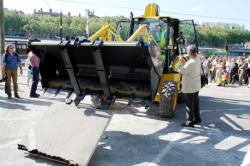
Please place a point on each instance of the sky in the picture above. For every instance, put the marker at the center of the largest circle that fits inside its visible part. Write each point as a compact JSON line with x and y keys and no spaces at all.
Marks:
{"x":230,"y":11}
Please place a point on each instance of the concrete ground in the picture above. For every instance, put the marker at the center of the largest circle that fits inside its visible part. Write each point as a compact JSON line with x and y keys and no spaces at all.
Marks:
{"x":136,"y":136}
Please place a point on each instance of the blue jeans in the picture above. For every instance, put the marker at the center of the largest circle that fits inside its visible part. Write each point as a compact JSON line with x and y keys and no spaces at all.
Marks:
{"x":35,"y":78}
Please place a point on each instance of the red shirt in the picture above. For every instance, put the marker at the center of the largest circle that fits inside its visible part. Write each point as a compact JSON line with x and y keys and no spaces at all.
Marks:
{"x":34,"y":60}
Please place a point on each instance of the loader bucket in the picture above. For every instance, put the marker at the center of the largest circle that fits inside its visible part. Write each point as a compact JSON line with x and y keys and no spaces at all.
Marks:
{"x":108,"y":68}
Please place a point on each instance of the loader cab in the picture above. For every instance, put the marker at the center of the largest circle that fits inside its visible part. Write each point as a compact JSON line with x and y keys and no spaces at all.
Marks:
{"x":155,"y":27}
{"x":163,"y":27}
{"x":173,"y":28}
{"x":170,"y":29}
{"x":188,"y":29}
{"x":125,"y":28}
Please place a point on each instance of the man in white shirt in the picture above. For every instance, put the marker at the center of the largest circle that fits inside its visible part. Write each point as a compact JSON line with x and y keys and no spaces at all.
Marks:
{"x":191,"y":84}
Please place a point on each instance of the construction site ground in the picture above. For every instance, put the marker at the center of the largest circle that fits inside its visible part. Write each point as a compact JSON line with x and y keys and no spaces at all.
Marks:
{"x":136,"y":136}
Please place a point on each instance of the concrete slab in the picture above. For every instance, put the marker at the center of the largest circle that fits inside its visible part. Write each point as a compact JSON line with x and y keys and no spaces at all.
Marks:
{"x":67,"y":132}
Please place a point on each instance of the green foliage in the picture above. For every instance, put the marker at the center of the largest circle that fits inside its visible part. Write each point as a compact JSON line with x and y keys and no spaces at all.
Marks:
{"x":188,"y":33}
{"x":216,"y":37}
{"x":15,"y":21}
{"x":49,"y":26}
{"x":44,"y":25}
{"x":97,"y":23}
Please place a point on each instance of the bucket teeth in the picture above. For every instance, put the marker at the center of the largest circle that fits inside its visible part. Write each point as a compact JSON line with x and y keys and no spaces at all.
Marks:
{"x":130,"y":100}
{"x":57,"y":92}
{"x":68,"y":99}
{"x":147,"y":104}
{"x":44,"y":90}
{"x":78,"y":99}
{"x":69,"y":94}
{"x":113,"y":100}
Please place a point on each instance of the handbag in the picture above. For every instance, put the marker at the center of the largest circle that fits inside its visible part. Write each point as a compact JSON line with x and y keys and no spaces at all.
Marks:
{"x":204,"y":80}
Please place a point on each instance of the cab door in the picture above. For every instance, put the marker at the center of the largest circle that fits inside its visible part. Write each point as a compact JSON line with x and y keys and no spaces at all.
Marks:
{"x":188,"y":29}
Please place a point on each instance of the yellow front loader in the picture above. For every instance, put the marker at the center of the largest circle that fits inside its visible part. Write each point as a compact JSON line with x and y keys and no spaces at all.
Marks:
{"x":136,"y":60}
{"x":149,"y":28}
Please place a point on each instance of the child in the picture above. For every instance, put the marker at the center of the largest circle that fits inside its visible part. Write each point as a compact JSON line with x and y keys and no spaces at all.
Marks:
{"x":224,"y":79}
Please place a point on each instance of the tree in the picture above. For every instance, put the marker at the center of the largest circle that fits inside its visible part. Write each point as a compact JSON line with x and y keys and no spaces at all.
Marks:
{"x":48,"y":26}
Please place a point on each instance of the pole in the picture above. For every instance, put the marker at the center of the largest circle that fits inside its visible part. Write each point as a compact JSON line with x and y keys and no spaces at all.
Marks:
{"x":2,"y":41}
{"x":87,"y":23}
{"x":226,"y":48}
{"x":61,"y":27}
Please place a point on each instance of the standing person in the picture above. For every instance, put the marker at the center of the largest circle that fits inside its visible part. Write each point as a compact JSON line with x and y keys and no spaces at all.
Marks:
{"x":219,"y":69}
{"x":34,"y":62}
{"x":233,"y":71}
{"x":191,"y":84}
{"x":228,"y":63}
{"x":248,"y":71}
{"x":214,"y":68}
{"x":11,"y":62}
{"x":207,"y":65}
{"x":241,"y":70}
{"x":211,"y":73}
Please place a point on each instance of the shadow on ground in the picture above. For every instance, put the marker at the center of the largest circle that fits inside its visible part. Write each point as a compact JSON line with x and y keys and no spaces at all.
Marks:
{"x":220,"y":140}
{"x":212,"y":143}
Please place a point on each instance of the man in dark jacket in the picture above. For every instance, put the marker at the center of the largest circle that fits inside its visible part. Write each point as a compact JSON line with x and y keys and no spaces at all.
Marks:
{"x":248,"y":71}
{"x":234,"y":72}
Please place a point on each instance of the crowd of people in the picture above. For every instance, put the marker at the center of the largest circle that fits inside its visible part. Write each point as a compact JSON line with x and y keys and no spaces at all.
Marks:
{"x":10,"y":63}
{"x":226,"y":70}
{"x":222,"y":70}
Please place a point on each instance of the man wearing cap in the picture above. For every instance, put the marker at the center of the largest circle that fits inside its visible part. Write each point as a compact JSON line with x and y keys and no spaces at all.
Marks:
{"x":191,"y":84}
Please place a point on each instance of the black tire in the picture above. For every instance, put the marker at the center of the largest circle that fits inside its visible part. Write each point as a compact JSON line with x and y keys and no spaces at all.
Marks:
{"x":168,"y":99}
